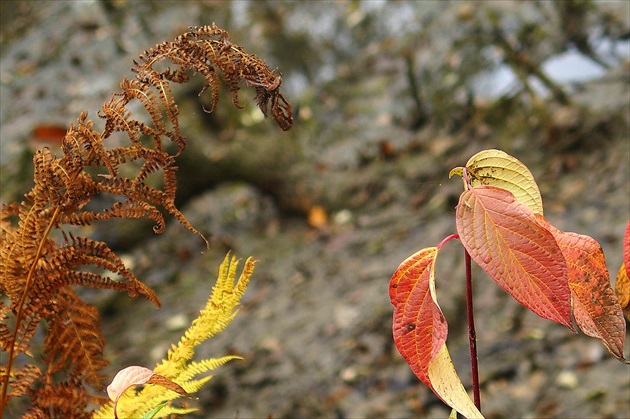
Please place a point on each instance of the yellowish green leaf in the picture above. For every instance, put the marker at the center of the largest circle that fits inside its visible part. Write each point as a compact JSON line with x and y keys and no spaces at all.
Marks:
{"x":174,"y":411}
{"x":499,"y":169}
{"x":447,"y":385}
{"x":153,"y":413}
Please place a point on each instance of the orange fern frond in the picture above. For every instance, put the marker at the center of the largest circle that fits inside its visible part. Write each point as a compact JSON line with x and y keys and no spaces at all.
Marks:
{"x":38,"y":273}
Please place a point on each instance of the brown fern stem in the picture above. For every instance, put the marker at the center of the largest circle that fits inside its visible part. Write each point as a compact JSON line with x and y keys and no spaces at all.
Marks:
{"x":20,"y":305}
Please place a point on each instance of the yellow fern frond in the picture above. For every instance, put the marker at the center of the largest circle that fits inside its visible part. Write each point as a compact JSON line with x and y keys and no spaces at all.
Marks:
{"x":218,"y":313}
{"x":195,"y":368}
{"x":193,"y":386}
{"x":178,"y":365}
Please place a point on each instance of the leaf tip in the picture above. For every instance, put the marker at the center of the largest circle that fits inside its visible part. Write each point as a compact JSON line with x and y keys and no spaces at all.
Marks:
{"x":457,"y":171}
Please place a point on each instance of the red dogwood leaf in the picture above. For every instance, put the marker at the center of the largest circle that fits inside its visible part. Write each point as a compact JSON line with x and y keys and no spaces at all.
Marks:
{"x":503,"y":238}
{"x":596,"y":308}
{"x":420,"y":330}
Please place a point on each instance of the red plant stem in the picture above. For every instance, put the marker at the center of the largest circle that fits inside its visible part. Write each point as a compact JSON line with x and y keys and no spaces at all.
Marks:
{"x":467,"y":184}
{"x":472,"y":335}
{"x":447,"y":239}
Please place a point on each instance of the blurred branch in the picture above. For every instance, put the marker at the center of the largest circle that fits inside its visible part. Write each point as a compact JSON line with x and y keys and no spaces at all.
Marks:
{"x":524,"y":66}
{"x":420,"y":114}
{"x":573,"y":14}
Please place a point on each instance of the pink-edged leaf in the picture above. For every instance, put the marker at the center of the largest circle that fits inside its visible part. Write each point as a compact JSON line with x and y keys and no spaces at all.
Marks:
{"x":596,"y":308}
{"x":419,"y":327}
{"x":503,"y":238}
{"x":136,"y":375}
{"x":127,"y":377}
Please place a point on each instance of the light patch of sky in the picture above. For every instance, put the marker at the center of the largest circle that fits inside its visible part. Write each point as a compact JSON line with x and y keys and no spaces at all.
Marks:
{"x":566,"y":68}
{"x":401,"y":18}
{"x":239,"y":12}
{"x":320,"y":24}
{"x":573,"y":67}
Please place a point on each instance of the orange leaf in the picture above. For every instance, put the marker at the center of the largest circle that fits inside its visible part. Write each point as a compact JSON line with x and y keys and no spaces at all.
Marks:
{"x":419,"y":328}
{"x":317,"y":217}
{"x":596,"y":308}
{"x":160,"y":380}
{"x":622,"y":289}
{"x":626,"y":249}
{"x":503,"y":238}
{"x":49,"y":133}
{"x":135,"y":375}
{"x":622,"y":285}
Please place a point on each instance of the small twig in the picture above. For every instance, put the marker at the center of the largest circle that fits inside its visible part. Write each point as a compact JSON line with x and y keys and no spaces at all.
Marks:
{"x":472,"y":335}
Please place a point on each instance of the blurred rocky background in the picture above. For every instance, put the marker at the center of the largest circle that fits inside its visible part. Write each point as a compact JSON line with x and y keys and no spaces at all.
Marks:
{"x":388,"y":97}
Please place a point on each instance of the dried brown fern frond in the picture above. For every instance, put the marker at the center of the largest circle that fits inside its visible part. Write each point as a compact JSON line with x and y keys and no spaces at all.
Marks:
{"x":38,"y":272}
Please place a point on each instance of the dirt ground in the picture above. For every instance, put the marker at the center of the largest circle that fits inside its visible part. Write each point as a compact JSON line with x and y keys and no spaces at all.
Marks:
{"x":315,"y":325}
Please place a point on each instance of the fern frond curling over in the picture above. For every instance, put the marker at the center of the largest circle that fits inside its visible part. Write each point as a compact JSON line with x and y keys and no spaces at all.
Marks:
{"x":38,"y":270}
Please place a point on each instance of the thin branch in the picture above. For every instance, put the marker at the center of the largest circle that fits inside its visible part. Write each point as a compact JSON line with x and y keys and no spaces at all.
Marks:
{"x":472,"y":335}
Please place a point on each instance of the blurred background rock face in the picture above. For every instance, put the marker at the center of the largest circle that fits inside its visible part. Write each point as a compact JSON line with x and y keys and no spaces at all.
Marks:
{"x":388,"y":97}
